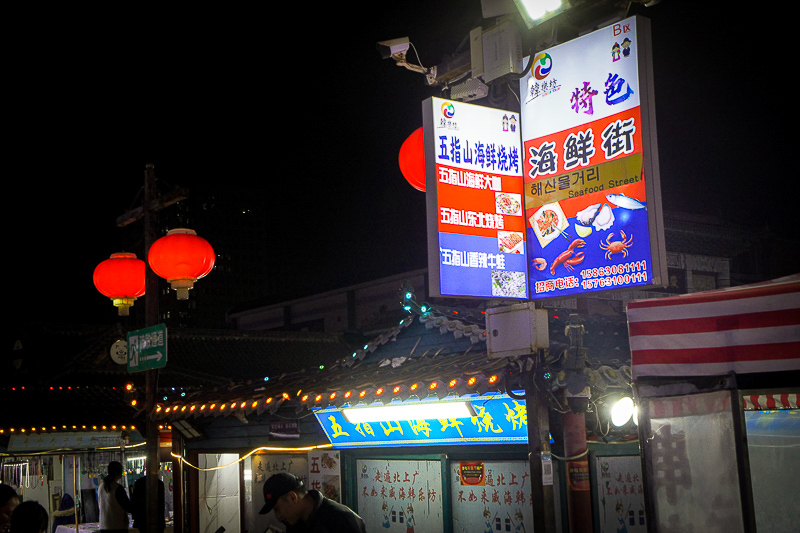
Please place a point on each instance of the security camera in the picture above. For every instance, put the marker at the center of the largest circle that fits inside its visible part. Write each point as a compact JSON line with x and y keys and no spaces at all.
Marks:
{"x":393,"y":47}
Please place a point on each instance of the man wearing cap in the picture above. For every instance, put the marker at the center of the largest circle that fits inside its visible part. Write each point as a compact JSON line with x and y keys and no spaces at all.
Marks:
{"x":307,"y":511}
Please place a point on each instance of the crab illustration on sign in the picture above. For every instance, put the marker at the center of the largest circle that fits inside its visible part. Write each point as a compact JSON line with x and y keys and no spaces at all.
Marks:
{"x":617,"y":247}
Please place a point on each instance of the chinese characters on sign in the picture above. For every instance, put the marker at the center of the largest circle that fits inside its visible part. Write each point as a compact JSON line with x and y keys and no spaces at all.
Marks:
{"x":491,"y":496}
{"x":498,"y":419}
{"x":400,"y":495}
{"x":620,"y":494}
{"x":324,"y":473}
{"x":475,"y":200}
{"x":590,"y":184}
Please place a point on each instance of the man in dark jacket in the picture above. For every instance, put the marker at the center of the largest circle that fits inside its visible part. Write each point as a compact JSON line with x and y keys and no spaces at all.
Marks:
{"x":307,"y":511}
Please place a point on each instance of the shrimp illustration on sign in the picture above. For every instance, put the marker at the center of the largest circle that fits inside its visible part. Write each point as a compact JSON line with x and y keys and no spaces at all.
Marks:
{"x":539,"y":263}
{"x":617,"y":247}
{"x":569,"y":257}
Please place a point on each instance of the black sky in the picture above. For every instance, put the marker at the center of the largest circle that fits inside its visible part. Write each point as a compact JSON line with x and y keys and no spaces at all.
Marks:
{"x":301,"y":102}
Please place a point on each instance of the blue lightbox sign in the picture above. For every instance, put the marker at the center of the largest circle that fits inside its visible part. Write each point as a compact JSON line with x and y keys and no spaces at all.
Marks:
{"x":499,"y":419}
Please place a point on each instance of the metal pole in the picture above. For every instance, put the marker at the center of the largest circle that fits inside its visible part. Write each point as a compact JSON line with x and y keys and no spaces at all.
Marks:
{"x":541,"y":465}
{"x":151,"y":319}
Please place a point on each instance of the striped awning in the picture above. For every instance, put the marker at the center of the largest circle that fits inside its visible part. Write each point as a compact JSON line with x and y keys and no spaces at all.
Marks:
{"x":770,"y":402}
{"x":746,"y":329}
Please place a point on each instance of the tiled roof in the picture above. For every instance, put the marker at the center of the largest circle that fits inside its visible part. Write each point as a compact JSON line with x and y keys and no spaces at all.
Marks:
{"x":436,"y":348}
{"x":64,"y":375}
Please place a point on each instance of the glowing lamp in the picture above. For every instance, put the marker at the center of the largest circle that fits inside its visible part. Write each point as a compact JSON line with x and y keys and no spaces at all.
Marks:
{"x":181,"y":257}
{"x":412,"y":160}
{"x":121,"y":278}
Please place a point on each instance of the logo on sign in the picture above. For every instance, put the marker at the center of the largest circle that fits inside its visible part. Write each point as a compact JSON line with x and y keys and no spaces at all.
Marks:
{"x":542,"y":65}
{"x":448,"y":110}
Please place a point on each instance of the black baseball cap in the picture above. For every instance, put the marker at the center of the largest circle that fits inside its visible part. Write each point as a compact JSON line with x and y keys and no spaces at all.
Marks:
{"x":276,"y":486}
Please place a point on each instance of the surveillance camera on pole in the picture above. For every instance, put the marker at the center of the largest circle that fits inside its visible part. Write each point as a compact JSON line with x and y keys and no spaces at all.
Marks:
{"x":396,"y":49}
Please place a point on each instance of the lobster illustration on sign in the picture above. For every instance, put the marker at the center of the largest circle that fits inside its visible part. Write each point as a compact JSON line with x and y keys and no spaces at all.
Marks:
{"x":617,"y":247}
{"x":569,"y":257}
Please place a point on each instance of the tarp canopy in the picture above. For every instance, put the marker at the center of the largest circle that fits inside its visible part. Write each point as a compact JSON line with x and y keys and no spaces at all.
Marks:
{"x":745,"y":329}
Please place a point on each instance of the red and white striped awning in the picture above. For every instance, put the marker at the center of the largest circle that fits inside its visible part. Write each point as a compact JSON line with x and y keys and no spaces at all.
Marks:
{"x":769,"y":402}
{"x":751,"y":328}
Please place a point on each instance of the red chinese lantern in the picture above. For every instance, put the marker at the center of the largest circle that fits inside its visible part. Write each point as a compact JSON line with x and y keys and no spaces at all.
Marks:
{"x":121,"y":278}
{"x":181,"y":257}
{"x":412,"y":160}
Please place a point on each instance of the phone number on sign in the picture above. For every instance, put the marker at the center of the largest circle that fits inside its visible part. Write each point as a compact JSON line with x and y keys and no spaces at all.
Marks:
{"x":610,"y":276}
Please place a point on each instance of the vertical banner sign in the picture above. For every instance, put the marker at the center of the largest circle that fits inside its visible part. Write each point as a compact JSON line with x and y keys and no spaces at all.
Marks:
{"x":476,"y":223}
{"x":620,"y":494}
{"x":591,"y":184}
{"x":325,"y":473}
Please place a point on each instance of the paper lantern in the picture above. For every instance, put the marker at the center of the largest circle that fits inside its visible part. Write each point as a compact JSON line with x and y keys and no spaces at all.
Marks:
{"x":412,"y":160}
{"x":121,"y":278}
{"x":181,"y":257}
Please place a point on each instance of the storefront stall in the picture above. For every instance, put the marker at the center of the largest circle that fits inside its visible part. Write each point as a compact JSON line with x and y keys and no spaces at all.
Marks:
{"x":433,"y":471}
{"x":63,"y":470}
{"x":717,"y":377}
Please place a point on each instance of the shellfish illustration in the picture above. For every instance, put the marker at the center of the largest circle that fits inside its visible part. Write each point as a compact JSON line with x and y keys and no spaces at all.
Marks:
{"x":586,"y":217}
{"x":604,"y":219}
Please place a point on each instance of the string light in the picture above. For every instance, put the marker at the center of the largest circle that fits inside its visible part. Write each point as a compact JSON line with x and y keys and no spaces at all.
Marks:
{"x":183,"y":460}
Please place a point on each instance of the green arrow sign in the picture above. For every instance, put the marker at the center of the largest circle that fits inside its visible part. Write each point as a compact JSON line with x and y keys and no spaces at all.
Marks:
{"x":147,"y":348}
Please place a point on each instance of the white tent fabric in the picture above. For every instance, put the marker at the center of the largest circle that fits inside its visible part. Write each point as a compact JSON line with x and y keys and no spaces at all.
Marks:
{"x":751,"y":328}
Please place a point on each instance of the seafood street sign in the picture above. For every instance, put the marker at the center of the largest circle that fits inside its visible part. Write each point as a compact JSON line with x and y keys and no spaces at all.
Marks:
{"x":593,"y":216}
{"x":476,"y":224}
{"x":147,"y":348}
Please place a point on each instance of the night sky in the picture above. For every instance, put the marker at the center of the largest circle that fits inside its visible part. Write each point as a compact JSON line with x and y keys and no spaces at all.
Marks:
{"x":302,"y":103}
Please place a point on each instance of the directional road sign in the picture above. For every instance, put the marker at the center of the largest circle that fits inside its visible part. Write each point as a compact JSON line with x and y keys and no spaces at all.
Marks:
{"x":147,"y":348}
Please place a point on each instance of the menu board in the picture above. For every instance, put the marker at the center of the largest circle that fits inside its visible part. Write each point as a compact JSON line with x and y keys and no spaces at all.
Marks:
{"x":592,"y":203}
{"x":476,"y":223}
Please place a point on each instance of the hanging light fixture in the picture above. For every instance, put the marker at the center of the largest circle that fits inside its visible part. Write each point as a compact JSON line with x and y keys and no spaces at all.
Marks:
{"x":121,"y":278}
{"x":181,"y":257}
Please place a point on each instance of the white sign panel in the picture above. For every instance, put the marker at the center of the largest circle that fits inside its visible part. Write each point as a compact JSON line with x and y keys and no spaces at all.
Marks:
{"x":400,"y":496}
{"x":490,"y":496}
{"x":620,"y":494}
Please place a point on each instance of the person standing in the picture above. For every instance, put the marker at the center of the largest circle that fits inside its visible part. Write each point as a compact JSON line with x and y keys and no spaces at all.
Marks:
{"x":307,"y":511}
{"x":114,"y":502}
{"x":139,"y":506}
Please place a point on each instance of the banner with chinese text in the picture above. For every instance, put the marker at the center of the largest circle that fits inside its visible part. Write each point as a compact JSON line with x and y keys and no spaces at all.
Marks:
{"x":592,"y":202}
{"x":620,"y":493}
{"x":476,"y":227}
{"x":499,"y":419}
{"x":325,"y":473}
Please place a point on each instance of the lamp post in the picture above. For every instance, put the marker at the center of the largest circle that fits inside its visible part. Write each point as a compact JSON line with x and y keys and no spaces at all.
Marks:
{"x":181,"y":257}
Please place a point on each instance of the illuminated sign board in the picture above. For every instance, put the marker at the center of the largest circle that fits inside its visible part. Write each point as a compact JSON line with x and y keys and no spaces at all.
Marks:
{"x":591,"y":184}
{"x":499,"y":419}
{"x":476,"y":223}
